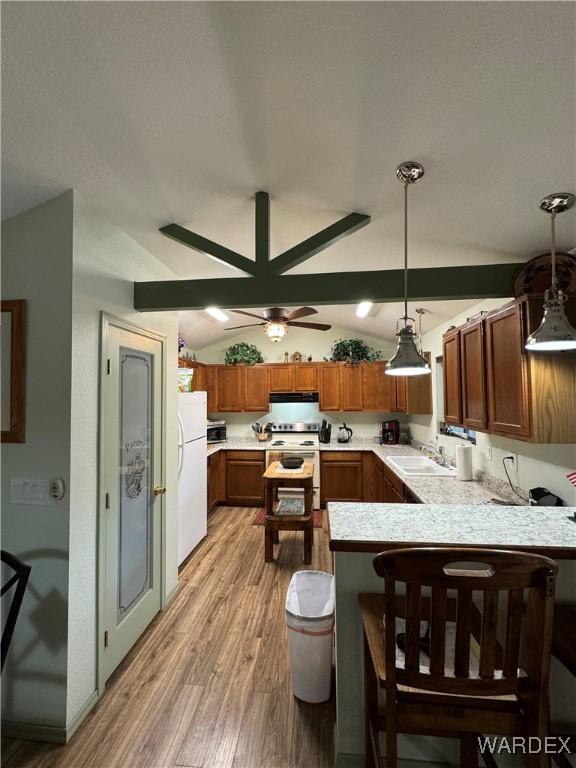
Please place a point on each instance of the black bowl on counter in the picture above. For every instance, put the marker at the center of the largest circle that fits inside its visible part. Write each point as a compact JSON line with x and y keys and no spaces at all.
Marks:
{"x":291,"y":462}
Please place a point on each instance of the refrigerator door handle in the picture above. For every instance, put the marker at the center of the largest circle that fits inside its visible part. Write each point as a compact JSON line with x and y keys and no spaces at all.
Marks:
{"x":180,"y":445}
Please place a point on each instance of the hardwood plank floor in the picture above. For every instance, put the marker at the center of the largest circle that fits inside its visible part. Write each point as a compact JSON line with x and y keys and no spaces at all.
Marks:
{"x":208,"y":684}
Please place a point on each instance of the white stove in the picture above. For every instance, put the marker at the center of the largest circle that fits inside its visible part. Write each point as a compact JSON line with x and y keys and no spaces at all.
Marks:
{"x":299,"y":438}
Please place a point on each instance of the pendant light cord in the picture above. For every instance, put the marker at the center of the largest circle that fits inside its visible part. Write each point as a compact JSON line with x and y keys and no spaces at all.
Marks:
{"x":405,"y":253}
{"x":553,"y":250}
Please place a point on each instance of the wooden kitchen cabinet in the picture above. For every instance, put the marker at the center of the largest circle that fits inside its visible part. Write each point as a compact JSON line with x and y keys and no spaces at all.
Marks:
{"x":230,"y":388}
{"x":329,"y":387}
{"x":256,"y":392}
{"x":281,"y":377}
{"x":305,"y":377}
{"x":211,"y":378}
{"x":414,"y":393}
{"x":244,"y":483}
{"x":216,"y":479}
{"x":351,"y":388}
{"x":341,"y":476}
{"x":452,"y":377}
{"x":378,"y":389}
{"x":473,"y":379}
{"x":507,"y":372}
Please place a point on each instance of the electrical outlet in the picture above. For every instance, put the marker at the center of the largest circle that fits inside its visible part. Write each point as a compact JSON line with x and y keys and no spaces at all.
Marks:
{"x":489,"y":453}
{"x":512,"y":461}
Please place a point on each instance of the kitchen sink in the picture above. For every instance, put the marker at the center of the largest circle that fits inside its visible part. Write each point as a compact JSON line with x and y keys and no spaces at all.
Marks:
{"x":420,"y":465}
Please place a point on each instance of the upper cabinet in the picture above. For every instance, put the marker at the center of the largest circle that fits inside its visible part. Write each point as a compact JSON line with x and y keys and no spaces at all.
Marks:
{"x":351,"y":388}
{"x":378,"y":389}
{"x":305,"y":377}
{"x":414,"y":393}
{"x":256,"y":392}
{"x":452,"y":377}
{"x":504,"y":389}
{"x":329,"y":387}
{"x":281,"y":377}
{"x":230,"y":389}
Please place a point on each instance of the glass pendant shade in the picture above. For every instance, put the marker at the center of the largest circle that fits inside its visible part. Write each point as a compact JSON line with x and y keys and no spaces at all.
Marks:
{"x":275,"y":331}
{"x":407,"y":361}
{"x":554,"y":334}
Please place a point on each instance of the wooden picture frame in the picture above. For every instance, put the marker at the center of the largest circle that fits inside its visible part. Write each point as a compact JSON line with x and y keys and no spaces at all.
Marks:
{"x":14,"y":380}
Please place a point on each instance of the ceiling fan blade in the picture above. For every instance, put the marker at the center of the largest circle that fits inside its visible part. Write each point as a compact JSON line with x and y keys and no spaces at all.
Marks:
{"x":248,"y":314}
{"x":316,"y":326}
{"x":252,"y":325}
{"x":302,"y":312}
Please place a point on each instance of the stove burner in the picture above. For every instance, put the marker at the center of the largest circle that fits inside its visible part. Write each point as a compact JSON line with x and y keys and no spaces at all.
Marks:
{"x":279,"y":442}
{"x":308,"y":442}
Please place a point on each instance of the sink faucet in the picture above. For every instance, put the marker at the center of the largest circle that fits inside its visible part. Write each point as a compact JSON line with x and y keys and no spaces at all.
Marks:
{"x":436,"y":452}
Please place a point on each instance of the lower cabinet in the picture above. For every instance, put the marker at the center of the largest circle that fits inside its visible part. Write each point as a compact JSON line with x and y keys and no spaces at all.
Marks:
{"x":341,"y":476}
{"x":244,"y":483}
{"x":390,"y":488}
{"x":216,"y":479}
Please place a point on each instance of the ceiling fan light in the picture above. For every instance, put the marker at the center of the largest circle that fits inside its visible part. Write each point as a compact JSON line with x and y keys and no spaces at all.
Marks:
{"x":555,"y":333}
{"x":407,"y":361}
{"x":275,"y":331}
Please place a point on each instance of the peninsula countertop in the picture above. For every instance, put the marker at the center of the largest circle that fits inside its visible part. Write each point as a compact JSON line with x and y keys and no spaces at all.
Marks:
{"x":362,"y":527}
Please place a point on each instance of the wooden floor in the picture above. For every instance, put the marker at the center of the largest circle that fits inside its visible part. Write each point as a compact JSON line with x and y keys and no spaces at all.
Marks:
{"x":208,"y":684}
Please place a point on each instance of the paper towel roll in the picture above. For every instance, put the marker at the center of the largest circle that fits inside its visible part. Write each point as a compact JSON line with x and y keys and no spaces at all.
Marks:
{"x":464,"y":462}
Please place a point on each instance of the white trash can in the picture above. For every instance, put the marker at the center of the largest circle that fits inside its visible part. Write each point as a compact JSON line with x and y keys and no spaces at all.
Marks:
{"x":310,"y":619}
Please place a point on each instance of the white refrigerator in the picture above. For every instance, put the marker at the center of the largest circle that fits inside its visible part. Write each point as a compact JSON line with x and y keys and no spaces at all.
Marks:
{"x":192,"y":468}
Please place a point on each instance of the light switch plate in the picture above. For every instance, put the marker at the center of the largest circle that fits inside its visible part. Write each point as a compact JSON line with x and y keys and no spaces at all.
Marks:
{"x":27,"y":491}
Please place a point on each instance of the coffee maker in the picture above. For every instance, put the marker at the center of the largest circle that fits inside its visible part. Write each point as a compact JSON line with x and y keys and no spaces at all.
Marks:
{"x":390,"y":432}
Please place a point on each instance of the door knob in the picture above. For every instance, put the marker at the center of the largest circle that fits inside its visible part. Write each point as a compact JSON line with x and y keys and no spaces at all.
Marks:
{"x":159,"y":490}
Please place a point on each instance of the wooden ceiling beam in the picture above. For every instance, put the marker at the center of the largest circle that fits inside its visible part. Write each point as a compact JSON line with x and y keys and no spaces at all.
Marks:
{"x":431,"y":284}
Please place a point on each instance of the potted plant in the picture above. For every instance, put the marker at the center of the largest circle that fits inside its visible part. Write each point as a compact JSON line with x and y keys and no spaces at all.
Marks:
{"x":243,"y":353}
{"x":353,"y":351}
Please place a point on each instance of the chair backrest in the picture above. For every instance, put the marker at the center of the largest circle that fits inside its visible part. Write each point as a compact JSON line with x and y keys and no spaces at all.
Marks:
{"x":490,"y":615}
{"x":21,"y":572}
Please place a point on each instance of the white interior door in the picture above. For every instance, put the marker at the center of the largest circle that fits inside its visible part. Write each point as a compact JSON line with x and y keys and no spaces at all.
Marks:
{"x":132,"y":485}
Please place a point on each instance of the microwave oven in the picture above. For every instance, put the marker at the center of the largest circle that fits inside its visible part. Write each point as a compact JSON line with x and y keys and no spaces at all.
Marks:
{"x":216,"y":431}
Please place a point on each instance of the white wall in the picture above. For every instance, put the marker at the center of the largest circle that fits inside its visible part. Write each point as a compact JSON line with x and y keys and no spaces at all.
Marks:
{"x":37,"y":266}
{"x":538,"y":465}
{"x":106,"y":263}
{"x":69,"y":263}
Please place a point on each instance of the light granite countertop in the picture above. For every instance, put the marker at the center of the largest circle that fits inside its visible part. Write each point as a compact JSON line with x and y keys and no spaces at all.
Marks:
{"x":374,"y":527}
{"x":429,"y":490}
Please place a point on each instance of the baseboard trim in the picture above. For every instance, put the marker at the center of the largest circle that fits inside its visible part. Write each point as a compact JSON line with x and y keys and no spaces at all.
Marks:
{"x":50,"y":733}
{"x":79,"y":717}
{"x":171,"y":596}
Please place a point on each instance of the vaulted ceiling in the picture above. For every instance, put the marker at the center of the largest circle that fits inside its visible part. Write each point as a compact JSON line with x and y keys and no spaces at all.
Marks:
{"x":159,"y":111}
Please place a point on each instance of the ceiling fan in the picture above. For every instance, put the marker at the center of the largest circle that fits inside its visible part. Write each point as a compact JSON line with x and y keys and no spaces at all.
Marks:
{"x":277,"y":319}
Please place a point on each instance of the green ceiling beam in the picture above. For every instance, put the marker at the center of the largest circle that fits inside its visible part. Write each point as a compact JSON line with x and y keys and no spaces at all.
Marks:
{"x":318,"y":242}
{"x":203,"y":245}
{"x":262,"y":230}
{"x":433,"y":284}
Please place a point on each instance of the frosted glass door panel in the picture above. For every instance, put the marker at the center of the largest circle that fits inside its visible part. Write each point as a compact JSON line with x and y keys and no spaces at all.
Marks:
{"x":135,"y":478}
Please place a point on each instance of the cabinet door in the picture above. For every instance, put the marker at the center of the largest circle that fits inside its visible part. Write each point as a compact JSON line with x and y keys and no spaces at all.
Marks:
{"x":401,"y":394}
{"x":507,"y":369}
{"x":330,"y":387}
{"x":341,"y":481}
{"x":378,"y":389}
{"x":306,"y":377}
{"x":256,"y":393}
{"x":419,"y":392}
{"x":473,"y":375}
{"x":369,"y":477}
{"x":351,"y":388}
{"x":281,"y":377}
{"x":244,"y":483}
{"x":230,"y":388}
{"x":452,"y":385}
{"x":211,"y":374}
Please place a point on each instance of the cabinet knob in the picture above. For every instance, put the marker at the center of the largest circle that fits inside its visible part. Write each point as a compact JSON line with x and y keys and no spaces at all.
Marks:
{"x":159,"y":490}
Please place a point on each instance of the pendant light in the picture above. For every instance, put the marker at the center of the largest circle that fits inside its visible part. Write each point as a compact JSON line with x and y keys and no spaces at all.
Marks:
{"x":407,"y":360}
{"x":555,"y":332}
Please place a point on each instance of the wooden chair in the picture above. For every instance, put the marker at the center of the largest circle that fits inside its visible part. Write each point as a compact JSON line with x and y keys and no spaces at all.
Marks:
{"x":467,"y":683}
{"x":273,"y":523}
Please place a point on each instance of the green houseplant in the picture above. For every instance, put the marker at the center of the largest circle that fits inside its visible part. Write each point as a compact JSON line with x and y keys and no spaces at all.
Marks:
{"x":353,"y":351}
{"x":248,"y":354}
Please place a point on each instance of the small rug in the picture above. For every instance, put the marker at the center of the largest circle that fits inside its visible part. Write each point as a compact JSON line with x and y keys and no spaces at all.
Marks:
{"x":316,"y":515}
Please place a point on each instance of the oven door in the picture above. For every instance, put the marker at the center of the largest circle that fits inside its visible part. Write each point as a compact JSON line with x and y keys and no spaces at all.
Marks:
{"x":298,"y":493}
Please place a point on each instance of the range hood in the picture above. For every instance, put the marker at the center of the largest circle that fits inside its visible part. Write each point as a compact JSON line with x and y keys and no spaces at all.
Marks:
{"x":294,"y":397}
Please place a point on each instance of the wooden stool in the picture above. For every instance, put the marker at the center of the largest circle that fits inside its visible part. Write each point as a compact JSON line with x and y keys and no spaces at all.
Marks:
{"x":276,"y":477}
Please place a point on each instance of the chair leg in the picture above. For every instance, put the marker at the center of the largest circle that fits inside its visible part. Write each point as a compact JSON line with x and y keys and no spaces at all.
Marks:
{"x":370,"y":706}
{"x":275,"y":536}
{"x":469,"y":751}
{"x":268,"y":544}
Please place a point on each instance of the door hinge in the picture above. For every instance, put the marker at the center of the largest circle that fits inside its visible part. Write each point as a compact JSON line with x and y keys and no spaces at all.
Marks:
{"x":108,"y":367}
{"x":107,"y":500}
{"x":106,"y":639}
